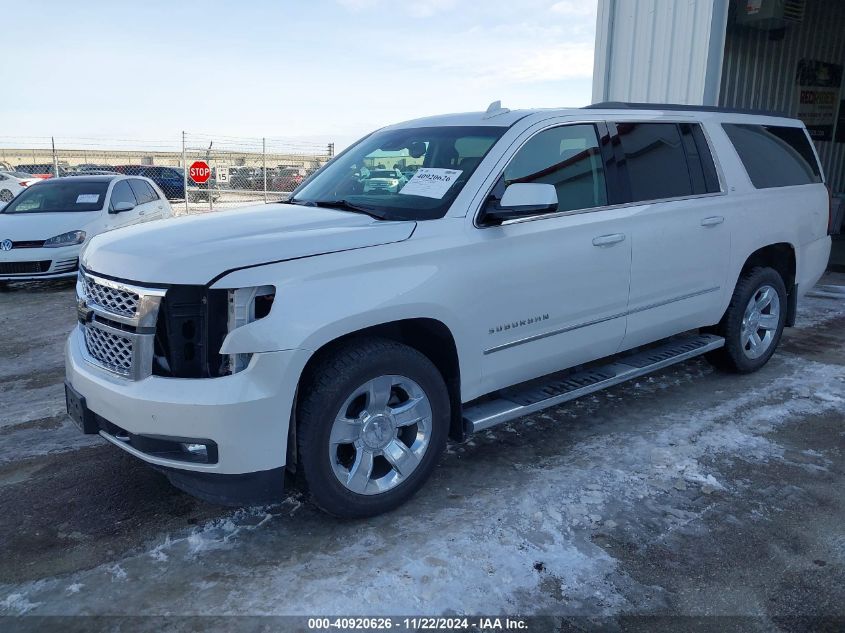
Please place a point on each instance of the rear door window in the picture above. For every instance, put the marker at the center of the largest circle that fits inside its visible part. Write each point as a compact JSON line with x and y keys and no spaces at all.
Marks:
{"x":774,"y":156}
{"x":142,"y":190}
{"x":656,"y":161}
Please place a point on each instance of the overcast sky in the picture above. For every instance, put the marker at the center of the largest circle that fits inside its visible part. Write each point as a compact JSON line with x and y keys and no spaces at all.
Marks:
{"x":324,"y":69}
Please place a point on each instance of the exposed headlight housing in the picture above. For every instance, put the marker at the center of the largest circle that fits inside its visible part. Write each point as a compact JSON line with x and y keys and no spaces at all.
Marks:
{"x":65,"y":239}
{"x":245,"y":306}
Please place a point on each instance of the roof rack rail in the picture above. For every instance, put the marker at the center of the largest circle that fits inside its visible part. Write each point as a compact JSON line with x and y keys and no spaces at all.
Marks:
{"x":680,"y":107}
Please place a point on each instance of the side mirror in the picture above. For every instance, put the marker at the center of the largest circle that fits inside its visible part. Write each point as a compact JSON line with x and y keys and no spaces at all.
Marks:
{"x":523,"y":199}
{"x":120,"y":207}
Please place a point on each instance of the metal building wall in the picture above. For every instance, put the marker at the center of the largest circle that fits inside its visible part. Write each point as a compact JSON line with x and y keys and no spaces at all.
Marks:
{"x":759,"y":72}
{"x":659,"y":51}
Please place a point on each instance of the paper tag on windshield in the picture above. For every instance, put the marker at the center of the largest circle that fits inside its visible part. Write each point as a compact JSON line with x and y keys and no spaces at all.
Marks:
{"x":431,"y":182}
{"x":87,"y":198}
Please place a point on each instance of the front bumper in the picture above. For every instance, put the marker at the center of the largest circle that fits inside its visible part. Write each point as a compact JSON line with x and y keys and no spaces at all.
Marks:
{"x":63,"y":262}
{"x":246,"y":416}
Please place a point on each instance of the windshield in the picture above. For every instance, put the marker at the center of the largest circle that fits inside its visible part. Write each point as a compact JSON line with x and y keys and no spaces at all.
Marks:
{"x":60,"y":195}
{"x":442,"y":158}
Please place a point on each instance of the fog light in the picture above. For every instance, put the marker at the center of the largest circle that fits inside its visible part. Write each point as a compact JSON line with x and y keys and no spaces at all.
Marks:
{"x":197,"y":450}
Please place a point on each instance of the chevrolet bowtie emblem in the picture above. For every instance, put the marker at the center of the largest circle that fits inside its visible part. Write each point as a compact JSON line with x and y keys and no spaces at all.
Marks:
{"x":83,"y":313}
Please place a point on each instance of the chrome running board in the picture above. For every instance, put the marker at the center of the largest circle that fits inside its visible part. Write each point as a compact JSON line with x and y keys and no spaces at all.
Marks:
{"x":539,"y":394}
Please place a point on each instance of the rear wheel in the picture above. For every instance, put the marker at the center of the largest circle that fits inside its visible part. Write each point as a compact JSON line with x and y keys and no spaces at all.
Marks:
{"x":753,"y":323}
{"x":372,"y":424}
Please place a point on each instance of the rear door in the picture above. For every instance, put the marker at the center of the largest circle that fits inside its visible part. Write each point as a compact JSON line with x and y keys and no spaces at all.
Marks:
{"x":150,"y":206}
{"x":681,"y":229}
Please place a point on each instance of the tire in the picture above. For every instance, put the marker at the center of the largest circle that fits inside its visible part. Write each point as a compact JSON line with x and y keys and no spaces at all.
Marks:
{"x":372,"y":422}
{"x":765,"y":319}
{"x":6,"y":195}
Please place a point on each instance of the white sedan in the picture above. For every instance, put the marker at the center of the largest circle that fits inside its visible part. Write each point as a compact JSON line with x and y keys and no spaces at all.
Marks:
{"x":13,"y":182}
{"x":44,"y":228}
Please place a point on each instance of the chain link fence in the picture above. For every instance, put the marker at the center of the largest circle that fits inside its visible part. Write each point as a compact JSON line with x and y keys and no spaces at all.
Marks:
{"x":247,"y":170}
{"x":243,"y":170}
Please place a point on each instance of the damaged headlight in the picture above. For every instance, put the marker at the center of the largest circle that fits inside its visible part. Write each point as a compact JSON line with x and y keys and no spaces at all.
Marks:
{"x":246,"y":305}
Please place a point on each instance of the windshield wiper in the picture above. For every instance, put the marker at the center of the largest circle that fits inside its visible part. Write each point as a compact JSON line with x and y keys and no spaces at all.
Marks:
{"x":345,"y":205}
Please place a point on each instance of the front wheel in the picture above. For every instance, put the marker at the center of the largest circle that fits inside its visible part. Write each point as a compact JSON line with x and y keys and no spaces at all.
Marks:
{"x":372,"y":423}
{"x":753,"y":323}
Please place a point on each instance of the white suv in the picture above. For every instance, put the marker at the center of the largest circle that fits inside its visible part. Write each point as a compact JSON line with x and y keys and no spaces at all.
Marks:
{"x":533,"y":257}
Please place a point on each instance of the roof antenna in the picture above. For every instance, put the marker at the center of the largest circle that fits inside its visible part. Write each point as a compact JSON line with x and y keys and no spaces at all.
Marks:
{"x":495,"y":109}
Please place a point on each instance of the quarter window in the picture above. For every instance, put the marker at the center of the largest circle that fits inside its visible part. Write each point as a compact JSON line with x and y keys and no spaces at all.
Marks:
{"x":657,"y":163}
{"x":567,"y":157}
{"x":774,"y":156}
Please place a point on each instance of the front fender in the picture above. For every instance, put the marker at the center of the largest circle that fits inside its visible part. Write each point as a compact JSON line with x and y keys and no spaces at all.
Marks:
{"x":321,"y":299}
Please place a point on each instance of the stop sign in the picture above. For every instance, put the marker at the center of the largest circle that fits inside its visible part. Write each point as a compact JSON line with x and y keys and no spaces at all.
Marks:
{"x":199,"y":171}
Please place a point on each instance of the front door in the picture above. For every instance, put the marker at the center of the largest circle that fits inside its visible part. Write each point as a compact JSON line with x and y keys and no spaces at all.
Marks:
{"x":553,"y":290}
{"x":122,"y":192}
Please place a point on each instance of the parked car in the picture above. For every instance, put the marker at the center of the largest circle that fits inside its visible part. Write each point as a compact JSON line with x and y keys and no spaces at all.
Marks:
{"x":94,"y":172}
{"x":92,"y":168}
{"x":171,"y":180}
{"x":535,"y":257}
{"x":287,"y":178}
{"x":44,"y":228}
{"x":41,"y":170}
{"x":241,"y":177}
{"x":384,"y":180}
{"x":13,"y":182}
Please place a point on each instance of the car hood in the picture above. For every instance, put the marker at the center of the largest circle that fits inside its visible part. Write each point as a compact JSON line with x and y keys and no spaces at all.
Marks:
{"x":43,"y":226}
{"x":196,"y":249}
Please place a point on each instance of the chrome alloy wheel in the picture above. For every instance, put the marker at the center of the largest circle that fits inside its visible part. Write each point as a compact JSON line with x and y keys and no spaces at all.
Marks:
{"x":760,"y":322}
{"x":380,"y":434}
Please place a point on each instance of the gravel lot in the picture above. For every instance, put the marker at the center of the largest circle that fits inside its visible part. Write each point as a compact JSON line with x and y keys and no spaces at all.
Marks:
{"x":687,"y":493}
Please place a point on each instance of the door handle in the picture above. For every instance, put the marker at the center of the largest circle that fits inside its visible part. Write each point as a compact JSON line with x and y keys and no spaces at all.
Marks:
{"x":713,"y":220}
{"x":141,"y":212}
{"x":607,"y":240}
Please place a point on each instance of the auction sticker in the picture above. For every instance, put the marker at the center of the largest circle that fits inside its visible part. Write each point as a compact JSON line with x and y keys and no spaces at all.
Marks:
{"x":87,"y":198}
{"x":431,"y":182}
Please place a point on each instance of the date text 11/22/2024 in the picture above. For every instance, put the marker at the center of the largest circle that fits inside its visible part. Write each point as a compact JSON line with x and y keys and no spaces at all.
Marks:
{"x":419,"y":624}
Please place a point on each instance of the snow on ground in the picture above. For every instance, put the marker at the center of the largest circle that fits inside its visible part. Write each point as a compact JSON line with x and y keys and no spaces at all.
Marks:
{"x":527,"y":526}
{"x":506,"y":525}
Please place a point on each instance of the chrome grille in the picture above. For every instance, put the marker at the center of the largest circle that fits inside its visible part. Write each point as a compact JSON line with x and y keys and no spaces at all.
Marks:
{"x":115,"y":300}
{"x":118,"y":324}
{"x":114,"y":352}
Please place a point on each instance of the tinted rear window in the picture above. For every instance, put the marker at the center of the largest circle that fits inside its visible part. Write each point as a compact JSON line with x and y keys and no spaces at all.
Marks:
{"x":657,"y":163}
{"x":774,"y":156}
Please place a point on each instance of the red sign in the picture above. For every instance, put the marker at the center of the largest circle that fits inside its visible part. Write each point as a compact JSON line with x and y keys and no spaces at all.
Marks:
{"x":199,"y":172}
